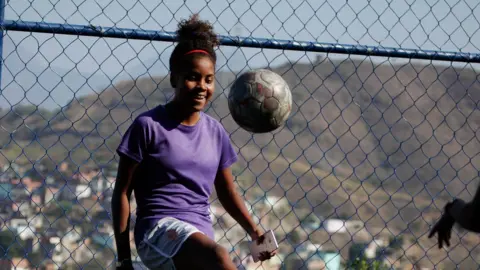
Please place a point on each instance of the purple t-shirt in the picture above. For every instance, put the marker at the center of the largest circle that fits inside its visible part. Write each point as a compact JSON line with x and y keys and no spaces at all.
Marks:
{"x":177,"y":168}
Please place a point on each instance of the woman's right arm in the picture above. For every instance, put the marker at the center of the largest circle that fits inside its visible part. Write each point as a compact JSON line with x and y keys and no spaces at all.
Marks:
{"x":121,"y":209}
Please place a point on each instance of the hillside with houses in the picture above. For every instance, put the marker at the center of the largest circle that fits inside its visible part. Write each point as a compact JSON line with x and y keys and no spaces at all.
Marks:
{"x":351,"y":174}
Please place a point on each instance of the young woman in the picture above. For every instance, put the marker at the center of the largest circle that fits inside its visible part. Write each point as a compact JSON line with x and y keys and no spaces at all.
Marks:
{"x":172,"y":156}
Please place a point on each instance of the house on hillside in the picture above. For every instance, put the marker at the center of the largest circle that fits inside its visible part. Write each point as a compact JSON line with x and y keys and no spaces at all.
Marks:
{"x":103,"y":240}
{"x":17,"y":192}
{"x":18,"y":263}
{"x":84,"y":177}
{"x":50,"y":180}
{"x":6,"y":212}
{"x":12,"y":169}
{"x":21,"y":227}
{"x":4,"y":178}
{"x":23,"y":208}
{"x":311,"y":223}
{"x":374,"y":246}
{"x":319,"y":259}
{"x":335,"y":225}
{"x":83,"y":191}
{"x":61,"y":250}
{"x":270,"y":205}
{"x":276,"y":202}
{"x":52,"y":192}
{"x":5,"y":189}
{"x":100,"y":184}
{"x":68,"y":192}
{"x":307,"y":247}
{"x":37,"y":197}
{"x":63,"y":167}
{"x":5,"y":264}
{"x":31,"y":179}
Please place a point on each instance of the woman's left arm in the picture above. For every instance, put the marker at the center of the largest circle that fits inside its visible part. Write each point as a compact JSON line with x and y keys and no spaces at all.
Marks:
{"x":233,"y":203}
{"x":229,"y":198}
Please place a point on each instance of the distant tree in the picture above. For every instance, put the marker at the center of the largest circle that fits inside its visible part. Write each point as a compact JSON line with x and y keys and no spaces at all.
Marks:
{"x":396,"y":242}
{"x":343,"y":216}
{"x":365,"y":264}
{"x":11,"y":245}
{"x":294,"y":237}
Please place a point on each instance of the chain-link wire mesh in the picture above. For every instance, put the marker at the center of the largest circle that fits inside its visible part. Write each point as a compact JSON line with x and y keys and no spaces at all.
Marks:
{"x":374,"y":147}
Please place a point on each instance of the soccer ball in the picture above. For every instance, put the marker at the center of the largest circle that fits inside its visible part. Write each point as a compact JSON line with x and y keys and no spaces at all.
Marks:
{"x":260,"y":101}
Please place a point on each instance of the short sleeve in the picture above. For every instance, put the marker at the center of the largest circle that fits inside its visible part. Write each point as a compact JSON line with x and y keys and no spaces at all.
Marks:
{"x":228,"y":154}
{"x":134,"y":141}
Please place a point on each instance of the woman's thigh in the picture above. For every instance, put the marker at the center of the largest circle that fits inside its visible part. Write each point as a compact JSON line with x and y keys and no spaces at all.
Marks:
{"x":200,"y":252}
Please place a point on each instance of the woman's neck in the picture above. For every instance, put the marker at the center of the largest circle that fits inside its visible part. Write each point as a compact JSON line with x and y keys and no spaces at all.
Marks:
{"x":178,"y":113}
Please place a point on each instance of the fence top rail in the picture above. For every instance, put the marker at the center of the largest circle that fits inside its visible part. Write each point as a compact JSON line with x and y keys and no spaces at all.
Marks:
{"x":250,"y":42}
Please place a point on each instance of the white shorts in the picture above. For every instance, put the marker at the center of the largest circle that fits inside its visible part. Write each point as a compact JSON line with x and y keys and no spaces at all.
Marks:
{"x":163,"y":241}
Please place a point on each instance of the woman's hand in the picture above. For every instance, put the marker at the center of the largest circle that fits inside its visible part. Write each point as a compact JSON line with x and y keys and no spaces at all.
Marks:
{"x":257,"y":235}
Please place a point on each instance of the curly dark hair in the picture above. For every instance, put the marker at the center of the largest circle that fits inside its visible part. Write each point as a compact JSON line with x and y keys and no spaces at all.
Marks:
{"x":193,"y":34}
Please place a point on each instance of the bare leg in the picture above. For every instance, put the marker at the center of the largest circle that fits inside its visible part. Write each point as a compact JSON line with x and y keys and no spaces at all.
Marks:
{"x":200,"y":252}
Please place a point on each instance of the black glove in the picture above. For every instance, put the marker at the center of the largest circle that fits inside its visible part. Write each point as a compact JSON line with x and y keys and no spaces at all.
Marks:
{"x":444,"y":227}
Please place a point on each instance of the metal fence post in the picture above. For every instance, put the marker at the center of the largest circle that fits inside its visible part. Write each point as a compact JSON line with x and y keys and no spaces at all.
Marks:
{"x":2,"y":19}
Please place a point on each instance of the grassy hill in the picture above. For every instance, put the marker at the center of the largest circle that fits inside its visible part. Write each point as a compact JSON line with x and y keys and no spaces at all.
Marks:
{"x":372,"y":141}
{"x":393,"y":126}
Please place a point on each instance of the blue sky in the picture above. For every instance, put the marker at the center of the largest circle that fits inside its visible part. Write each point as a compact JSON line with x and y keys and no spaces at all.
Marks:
{"x":49,"y":70}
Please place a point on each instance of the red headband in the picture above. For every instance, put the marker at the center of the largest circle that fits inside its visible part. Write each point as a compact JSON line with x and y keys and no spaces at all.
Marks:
{"x":197,"y":51}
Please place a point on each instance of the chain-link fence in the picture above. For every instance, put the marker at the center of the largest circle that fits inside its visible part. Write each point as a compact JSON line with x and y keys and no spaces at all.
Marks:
{"x":378,"y":141}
